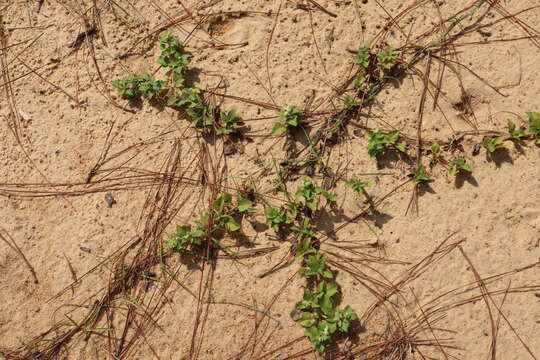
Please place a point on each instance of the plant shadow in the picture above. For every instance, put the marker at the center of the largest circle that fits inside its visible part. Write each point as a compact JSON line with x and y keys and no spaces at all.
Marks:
{"x":390,"y":158}
{"x":378,"y":218}
{"x":425,"y":187}
{"x":499,"y":157}
{"x":327,"y":219}
{"x":463,"y":176}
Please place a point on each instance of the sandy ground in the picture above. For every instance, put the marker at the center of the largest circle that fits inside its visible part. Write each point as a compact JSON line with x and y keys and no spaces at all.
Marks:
{"x":271,"y":52}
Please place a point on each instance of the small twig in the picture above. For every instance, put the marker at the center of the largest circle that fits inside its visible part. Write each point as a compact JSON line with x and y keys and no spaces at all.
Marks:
{"x":318,"y":6}
{"x":13,"y":245}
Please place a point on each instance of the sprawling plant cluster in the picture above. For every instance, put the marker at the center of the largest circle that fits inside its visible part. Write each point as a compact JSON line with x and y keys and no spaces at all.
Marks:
{"x":320,"y":316}
{"x":174,"y":90}
{"x":211,"y":225}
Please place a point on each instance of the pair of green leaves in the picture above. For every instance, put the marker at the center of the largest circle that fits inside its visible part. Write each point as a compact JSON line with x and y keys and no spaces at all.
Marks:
{"x":492,"y":144}
{"x":379,"y":142}
{"x":289,"y":116}
{"x":419,"y":175}
{"x":357,"y":185}
{"x":459,"y":164}
{"x":308,"y":190}
{"x":228,"y":122}
{"x":222,"y":207}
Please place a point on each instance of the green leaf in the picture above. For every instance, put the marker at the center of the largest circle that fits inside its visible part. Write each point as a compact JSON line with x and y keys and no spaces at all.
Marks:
{"x":435,"y":149}
{"x":419,"y":175}
{"x":378,"y":141}
{"x":459,"y":164}
{"x":492,"y":144}
{"x":244,"y":205}
{"x":534,"y":125}
{"x":401,"y":147}
{"x":307,"y":319}
{"x":312,"y":204}
{"x":278,"y":128}
{"x":357,"y":185}
{"x":230,"y":224}
{"x":359,"y":81}
{"x":363,"y":55}
{"x":514,"y":133}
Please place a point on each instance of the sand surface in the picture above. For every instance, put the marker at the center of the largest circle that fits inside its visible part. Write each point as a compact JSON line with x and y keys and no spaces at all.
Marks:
{"x":61,"y":118}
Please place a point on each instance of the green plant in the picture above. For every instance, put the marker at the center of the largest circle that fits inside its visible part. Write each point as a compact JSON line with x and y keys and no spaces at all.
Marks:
{"x":315,"y":265}
{"x":149,"y":87}
{"x":132,"y":87}
{"x":220,"y":217}
{"x":459,"y":164}
{"x":436,"y":149}
{"x":349,"y":103}
{"x":276,"y":218}
{"x":386,"y":59}
{"x":379,"y":142}
{"x":228,"y":122}
{"x":184,"y":237}
{"x":307,"y":190}
{"x":321,"y":318}
{"x":363,"y":56}
{"x":173,"y":57}
{"x":419,"y":175}
{"x":492,"y":144}
{"x":357,"y":185}
{"x":197,"y":108}
{"x":515,"y":134}
{"x":534,"y":126}
{"x":288,"y":116}
{"x":222,"y":209}
{"x":128,"y":87}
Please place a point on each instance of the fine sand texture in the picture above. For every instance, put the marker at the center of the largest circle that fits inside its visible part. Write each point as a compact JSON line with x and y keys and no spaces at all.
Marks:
{"x":92,"y":185}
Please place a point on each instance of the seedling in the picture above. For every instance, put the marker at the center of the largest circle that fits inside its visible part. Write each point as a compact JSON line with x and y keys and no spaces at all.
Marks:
{"x":276,"y":218}
{"x":174,"y":58}
{"x":363,"y":56}
{"x":220,"y":217}
{"x":379,"y":142}
{"x":132,"y":87}
{"x":436,"y":149}
{"x":185,"y":238}
{"x":228,"y":122}
{"x":289,"y":116}
{"x":319,"y":316}
{"x":357,"y":185}
{"x":459,"y":164}
{"x":419,"y":175}
{"x":349,"y":103}
{"x":307,"y":190}
{"x":222,"y":208}
{"x":197,"y":108}
{"x":303,"y":230}
{"x":534,"y":126}
{"x":315,"y":265}
{"x":386,"y":59}
{"x":492,"y":144}
{"x":515,"y":134}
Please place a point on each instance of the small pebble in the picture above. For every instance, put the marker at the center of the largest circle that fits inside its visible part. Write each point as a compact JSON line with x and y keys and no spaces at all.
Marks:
{"x":110,"y":200}
{"x":85,"y":249}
